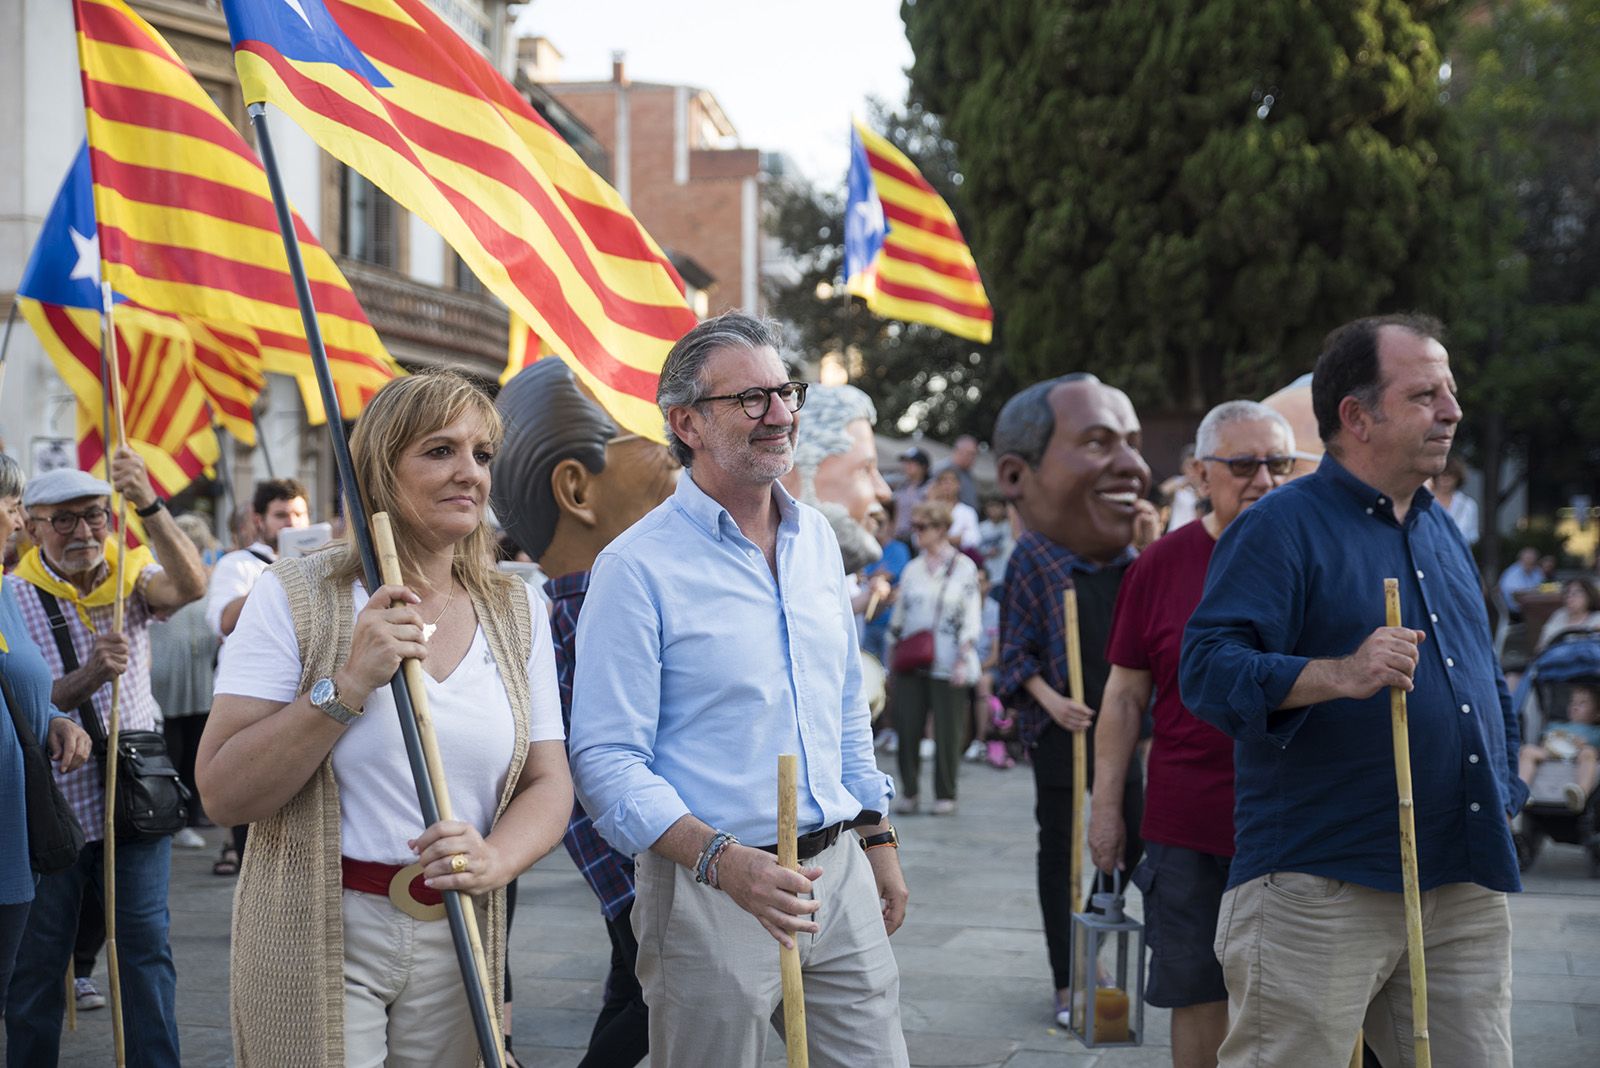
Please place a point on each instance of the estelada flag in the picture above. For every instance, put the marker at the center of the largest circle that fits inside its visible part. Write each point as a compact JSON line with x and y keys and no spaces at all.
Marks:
{"x":165,"y":406}
{"x":389,"y":88}
{"x":903,"y":251}
{"x":187,"y":224}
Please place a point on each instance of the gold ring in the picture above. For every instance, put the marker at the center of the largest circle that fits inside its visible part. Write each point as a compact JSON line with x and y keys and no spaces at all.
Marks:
{"x":458,"y":863}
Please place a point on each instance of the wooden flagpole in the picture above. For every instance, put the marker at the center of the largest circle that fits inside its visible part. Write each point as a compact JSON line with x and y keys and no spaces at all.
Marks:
{"x":794,"y":995}
{"x":1401,"y":731}
{"x":1080,"y":786}
{"x":112,"y":387}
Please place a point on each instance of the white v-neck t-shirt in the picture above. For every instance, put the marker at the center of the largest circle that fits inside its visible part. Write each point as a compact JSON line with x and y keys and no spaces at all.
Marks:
{"x":472,"y":719}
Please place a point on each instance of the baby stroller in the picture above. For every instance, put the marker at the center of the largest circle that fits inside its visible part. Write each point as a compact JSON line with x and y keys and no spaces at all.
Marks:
{"x":1571,"y":659}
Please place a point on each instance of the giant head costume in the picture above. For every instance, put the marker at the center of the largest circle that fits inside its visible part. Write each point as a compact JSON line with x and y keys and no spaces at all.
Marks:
{"x":836,"y":467}
{"x":1293,"y":402}
{"x":566,"y":482}
{"x":1068,"y":459}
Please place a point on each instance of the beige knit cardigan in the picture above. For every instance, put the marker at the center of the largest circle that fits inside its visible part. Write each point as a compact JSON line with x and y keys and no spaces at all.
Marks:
{"x":287,"y":962}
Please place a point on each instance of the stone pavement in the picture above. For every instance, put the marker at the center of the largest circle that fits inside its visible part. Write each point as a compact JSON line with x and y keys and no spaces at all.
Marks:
{"x":975,"y":986}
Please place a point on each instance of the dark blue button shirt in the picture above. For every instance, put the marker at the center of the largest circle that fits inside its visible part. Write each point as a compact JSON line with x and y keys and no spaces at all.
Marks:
{"x":1299,"y":576}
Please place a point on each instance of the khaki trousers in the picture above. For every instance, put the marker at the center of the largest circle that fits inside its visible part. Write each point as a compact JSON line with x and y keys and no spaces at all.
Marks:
{"x":405,"y":1005}
{"x":1308,"y":960}
{"x":710,"y":970}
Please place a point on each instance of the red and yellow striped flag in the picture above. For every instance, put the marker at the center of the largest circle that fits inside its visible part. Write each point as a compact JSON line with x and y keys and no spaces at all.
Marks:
{"x":187,"y":225}
{"x":904,"y":252}
{"x":389,"y":88}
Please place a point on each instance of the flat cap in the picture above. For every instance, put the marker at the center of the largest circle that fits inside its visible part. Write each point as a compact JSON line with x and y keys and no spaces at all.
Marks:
{"x":63,"y":484}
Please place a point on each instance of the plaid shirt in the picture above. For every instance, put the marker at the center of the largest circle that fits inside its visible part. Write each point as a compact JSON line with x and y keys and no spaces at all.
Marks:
{"x":84,"y":788}
{"x":608,"y":872}
{"x":1033,"y":628}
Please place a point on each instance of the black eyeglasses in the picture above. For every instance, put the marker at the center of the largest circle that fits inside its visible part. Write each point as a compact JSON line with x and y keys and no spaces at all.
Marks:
{"x":1245,"y":466}
{"x":65,"y":523}
{"x":757,"y":400}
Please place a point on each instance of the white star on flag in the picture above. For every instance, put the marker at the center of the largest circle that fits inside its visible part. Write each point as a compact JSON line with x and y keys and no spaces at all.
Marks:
{"x":88,"y":265}
{"x":298,"y":10}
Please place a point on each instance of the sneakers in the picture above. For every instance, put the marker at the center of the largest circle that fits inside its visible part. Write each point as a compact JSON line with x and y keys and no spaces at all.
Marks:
{"x":925,"y":749}
{"x":974,"y":752}
{"x":188,"y":838}
{"x":945,"y":806}
{"x":888,"y":741}
{"x":905,"y":806}
{"x":87,"y":997}
{"x":1572,"y":793}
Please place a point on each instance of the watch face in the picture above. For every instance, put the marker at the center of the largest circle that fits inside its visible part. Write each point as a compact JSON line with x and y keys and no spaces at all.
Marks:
{"x":322,"y":692}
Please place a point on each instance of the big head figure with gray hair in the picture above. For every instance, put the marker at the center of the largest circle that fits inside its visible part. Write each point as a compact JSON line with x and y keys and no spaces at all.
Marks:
{"x":836,"y":467}
{"x":566,"y":481}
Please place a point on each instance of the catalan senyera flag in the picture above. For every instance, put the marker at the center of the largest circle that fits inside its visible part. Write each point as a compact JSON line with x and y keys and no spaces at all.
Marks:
{"x":166,"y":408}
{"x":390,"y":89}
{"x":187,"y":225}
{"x":522,"y":349}
{"x":904,"y":252}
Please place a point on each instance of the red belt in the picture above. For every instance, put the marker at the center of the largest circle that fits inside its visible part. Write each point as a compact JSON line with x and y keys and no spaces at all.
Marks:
{"x":412,"y":896}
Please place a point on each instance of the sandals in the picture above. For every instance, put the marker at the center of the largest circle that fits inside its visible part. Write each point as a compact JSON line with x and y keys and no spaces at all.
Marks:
{"x":228,"y":863}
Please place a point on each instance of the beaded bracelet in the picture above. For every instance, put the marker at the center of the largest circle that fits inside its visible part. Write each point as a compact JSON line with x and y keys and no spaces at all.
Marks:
{"x":704,"y":864}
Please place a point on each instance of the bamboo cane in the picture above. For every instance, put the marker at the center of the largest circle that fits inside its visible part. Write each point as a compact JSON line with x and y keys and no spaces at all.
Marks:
{"x":113,"y":390}
{"x":72,"y":1002}
{"x":1358,"y":1055}
{"x":872,"y":607}
{"x":1408,"y":848}
{"x":389,"y":567}
{"x":794,"y":996}
{"x":1080,"y":779}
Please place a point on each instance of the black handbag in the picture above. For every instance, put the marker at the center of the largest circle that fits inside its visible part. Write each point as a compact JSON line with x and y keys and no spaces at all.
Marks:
{"x":151,"y":800}
{"x":54,"y":836}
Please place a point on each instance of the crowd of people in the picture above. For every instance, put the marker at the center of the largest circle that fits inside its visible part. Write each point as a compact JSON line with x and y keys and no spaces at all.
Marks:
{"x":666,"y":620}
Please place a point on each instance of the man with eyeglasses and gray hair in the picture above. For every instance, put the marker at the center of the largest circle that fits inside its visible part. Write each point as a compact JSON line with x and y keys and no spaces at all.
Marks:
{"x":67,"y":595}
{"x":1243,"y":450}
{"x":716,"y":636}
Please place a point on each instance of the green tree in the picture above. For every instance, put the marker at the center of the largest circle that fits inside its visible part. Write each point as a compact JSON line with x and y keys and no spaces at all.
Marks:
{"x":1525,"y":88}
{"x":919,"y":377}
{"x":1184,"y":196}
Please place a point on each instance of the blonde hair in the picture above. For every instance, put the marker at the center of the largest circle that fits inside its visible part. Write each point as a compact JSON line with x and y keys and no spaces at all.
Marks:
{"x":936,"y":513}
{"x":198,"y":531}
{"x":400,"y":413}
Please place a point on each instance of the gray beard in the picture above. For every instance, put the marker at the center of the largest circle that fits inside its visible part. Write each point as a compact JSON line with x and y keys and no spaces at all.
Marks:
{"x":858,"y":548}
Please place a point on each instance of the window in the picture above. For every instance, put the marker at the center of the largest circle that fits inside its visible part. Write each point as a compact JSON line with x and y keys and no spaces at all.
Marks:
{"x":368,"y":221}
{"x":465,"y":280}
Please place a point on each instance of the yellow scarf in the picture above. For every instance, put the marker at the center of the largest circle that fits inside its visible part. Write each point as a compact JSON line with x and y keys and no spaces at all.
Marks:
{"x":33,"y":570}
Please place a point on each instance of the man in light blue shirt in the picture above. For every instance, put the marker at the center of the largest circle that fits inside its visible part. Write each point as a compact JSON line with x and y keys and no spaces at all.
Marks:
{"x":716,"y":636}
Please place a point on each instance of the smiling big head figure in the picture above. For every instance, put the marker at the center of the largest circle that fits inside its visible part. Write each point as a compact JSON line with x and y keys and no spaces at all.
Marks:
{"x":1069,"y":460}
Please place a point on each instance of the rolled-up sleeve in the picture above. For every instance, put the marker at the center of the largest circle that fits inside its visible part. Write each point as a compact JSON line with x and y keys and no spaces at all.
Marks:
{"x":616,"y":705}
{"x":1516,"y":790}
{"x":1236,"y":669}
{"x":1022,"y":631}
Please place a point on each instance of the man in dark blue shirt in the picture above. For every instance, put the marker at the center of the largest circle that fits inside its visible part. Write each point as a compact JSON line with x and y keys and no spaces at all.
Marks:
{"x":1288,"y":654}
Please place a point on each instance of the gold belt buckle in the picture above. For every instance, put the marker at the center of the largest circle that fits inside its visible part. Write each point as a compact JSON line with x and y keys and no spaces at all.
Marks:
{"x":400,"y":896}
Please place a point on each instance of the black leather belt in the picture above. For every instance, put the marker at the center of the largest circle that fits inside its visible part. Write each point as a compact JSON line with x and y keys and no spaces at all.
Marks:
{"x":809,"y":845}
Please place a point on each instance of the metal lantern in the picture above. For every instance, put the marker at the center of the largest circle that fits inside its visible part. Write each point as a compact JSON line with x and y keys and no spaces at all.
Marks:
{"x":1111,"y":1017}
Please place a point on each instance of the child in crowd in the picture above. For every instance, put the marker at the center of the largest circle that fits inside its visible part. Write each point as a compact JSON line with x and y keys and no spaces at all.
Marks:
{"x":1577,"y":738}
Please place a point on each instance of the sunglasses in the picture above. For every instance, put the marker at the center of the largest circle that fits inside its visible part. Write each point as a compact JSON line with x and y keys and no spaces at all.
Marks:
{"x":757,"y":400}
{"x":920,"y":527}
{"x":65,"y":523}
{"x":1245,"y":466}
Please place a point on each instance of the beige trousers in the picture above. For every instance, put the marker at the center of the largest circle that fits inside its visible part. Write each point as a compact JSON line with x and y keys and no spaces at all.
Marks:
{"x":1308,"y":960}
{"x":710,"y":970}
{"x":405,"y":1005}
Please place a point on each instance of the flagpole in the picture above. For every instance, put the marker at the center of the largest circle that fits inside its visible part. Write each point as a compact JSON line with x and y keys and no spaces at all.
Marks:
{"x":5,"y":339}
{"x":356,"y":521}
{"x":111,"y":395}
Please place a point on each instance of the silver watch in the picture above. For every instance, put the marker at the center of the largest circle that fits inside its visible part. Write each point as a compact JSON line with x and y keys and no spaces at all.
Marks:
{"x":325,"y":695}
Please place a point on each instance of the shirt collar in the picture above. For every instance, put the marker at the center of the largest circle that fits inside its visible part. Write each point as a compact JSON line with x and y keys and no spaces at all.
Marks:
{"x":575,"y":584}
{"x":710,"y":516}
{"x":1372,"y":501}
{"x":1073,"y":561}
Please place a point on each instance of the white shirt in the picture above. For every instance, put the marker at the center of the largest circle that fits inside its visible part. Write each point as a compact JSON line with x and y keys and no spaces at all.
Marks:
{"x":963,"y":526}
{"x":471,"y":715}
{"x":232,"y":578}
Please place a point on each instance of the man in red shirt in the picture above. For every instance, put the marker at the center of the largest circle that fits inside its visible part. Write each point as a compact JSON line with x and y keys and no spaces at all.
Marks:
{"x":1245,"y":449}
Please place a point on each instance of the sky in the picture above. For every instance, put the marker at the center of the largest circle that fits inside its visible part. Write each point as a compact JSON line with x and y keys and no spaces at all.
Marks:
{"x":788,"y":73}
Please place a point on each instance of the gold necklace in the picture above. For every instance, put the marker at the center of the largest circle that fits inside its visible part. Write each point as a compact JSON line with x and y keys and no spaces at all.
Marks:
{"x":429,"y":628}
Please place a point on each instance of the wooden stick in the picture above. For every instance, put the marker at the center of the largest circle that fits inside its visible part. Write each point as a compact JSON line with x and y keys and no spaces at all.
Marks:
{"x":1408,"y":847}
{"x":1358,"y":1055}
{"x":113,"y":391}
{"x":72,"y":1001}
{"x":872,"y":602}
{"x":794,"y":995}
{"x":1080,"y":787}
{"x":389,"y":567}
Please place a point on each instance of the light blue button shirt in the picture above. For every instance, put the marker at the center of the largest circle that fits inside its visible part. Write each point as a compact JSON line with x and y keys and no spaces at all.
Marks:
{"x":696,"y":669}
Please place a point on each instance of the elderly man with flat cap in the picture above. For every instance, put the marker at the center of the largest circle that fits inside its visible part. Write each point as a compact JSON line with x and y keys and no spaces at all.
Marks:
{"x":67,"y":595}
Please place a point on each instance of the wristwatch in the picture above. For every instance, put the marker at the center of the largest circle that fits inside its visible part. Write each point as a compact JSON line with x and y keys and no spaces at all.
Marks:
{"x":150,"y":509}
{"x":325,"y":695}
{"x":887,"y":838}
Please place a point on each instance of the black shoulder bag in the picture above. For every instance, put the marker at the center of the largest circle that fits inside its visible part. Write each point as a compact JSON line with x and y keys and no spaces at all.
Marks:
{"x":152,"y":801}
{"x":54,"y":837}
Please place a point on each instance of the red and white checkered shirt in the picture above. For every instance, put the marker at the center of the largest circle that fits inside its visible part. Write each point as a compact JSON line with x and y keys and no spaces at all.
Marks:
{"x":83,"y":788}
